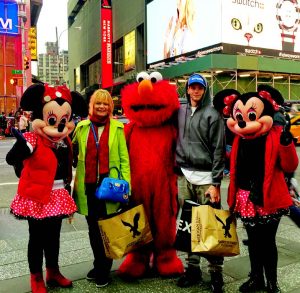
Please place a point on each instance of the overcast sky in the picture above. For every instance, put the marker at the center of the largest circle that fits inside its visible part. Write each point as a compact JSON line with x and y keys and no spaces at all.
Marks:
{"x":53,"y":14}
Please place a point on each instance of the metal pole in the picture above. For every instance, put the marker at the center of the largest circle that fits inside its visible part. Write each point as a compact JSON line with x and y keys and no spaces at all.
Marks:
{"x":57,"y":56}
{"x":23,"y":19}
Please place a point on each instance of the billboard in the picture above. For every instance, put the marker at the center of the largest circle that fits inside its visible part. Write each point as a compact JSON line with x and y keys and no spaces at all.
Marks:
{"x":32,"y":43}
{"x":194,"y":28}
{"x":8,"y":18}
{"x":129,"y":48}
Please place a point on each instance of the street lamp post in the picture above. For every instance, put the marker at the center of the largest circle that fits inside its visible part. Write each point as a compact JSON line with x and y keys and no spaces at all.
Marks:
{"x":58,"y":53}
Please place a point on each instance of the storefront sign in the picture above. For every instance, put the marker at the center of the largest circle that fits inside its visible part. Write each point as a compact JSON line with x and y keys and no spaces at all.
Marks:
{"x":8,"y":18}
{"x":106,"y":44}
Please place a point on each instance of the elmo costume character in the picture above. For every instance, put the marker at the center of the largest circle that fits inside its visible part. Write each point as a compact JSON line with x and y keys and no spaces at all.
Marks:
{"x":258,"y":194}
{"x":43,"y":161}
{"x":151,"y":105}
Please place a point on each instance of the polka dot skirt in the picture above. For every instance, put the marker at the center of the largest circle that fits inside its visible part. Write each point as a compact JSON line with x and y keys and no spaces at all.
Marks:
{"x":250,"y":213}
{"x":60,"y":204}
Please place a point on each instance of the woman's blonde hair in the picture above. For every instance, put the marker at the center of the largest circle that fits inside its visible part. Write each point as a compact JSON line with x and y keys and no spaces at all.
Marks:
{"x":101,"y":96}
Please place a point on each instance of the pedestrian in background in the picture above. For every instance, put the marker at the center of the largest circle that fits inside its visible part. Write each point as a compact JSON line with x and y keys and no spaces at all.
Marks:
{"x":23,"y":122}
{"x":99,"y":144}
{"x":200,"y":156}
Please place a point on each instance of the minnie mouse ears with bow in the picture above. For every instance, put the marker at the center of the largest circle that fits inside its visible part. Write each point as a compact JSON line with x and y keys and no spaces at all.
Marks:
{"x":225,"y":99}
{"x":37,"y":95}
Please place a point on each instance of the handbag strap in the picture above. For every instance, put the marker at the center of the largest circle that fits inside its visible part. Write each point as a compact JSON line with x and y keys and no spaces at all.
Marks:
{"x":95,"y":136}
{"x":119,"y":173}
{"x":97,"y":147}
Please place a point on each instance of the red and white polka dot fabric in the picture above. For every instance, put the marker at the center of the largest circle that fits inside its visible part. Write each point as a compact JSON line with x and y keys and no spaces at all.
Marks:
{"x":60,"y":203}
{"x":31,"y":138}
{"x":246,"y":209}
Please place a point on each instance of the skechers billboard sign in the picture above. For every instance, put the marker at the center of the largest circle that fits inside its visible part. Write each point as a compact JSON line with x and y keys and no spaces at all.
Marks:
{"x":8,"y":18}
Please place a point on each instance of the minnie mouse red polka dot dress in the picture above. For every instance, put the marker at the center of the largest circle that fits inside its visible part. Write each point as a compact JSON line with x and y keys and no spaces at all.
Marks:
{"x":60,"y":203}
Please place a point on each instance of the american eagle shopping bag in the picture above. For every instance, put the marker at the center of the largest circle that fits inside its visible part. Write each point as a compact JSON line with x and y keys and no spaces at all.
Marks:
{"x":125,"y":232}
{"x":214,"y":232}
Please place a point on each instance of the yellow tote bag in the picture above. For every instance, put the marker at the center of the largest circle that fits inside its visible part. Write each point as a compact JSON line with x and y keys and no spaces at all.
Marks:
{"x":125,"y":232}
{"x":214,"y":232}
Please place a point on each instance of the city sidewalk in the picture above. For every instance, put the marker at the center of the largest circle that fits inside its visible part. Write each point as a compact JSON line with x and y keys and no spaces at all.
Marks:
{"x":76,"y":260}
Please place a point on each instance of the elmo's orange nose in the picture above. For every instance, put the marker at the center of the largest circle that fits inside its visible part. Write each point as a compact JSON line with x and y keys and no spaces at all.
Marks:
{"x":145,"y":87}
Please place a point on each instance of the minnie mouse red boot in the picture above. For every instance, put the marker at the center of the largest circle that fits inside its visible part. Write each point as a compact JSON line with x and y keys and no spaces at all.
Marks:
{"x":37,"y":283}
{"x":55,"y":279}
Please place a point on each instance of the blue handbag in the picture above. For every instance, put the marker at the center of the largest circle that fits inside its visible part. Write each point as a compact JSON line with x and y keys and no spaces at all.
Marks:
{"x":113,"y":189}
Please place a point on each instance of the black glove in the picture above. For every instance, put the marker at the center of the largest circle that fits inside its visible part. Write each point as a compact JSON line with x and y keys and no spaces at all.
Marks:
{"x":20,"y":149}
{"x":286,"y":137}
{"x":18,"y":135}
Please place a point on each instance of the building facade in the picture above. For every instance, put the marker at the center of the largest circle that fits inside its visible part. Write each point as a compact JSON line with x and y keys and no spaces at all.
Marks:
{"x":236,"y":44}
{"x":53,"y":66}
{"x":17,"y":17}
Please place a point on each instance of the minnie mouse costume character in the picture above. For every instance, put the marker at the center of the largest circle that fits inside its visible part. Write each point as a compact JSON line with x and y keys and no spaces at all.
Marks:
{"x":258,"y":194}
{"x":151,"y":104}
{"x":43,"y":192}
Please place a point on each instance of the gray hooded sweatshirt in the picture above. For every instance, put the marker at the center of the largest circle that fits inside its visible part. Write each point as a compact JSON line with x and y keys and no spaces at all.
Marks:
{"x":201,"y":139}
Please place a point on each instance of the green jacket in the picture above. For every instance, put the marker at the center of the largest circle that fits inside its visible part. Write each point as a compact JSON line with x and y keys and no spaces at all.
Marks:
{"x":118,"y":157}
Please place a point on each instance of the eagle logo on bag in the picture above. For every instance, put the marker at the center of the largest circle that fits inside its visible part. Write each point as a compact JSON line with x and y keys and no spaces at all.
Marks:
{"x":134,"y":227}
{"x":226,"y":226}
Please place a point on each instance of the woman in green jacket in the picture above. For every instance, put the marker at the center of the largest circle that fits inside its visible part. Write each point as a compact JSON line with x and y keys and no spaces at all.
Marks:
{"x":99,"y":144}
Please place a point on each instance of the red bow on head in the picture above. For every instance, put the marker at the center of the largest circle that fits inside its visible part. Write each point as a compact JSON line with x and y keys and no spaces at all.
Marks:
{"x":267,"y":96}
{"x":228,"y":102}
{"x":54,"y":92}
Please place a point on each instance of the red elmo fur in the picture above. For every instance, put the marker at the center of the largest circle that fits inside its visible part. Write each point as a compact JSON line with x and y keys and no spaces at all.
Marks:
{"x":151,"y":137}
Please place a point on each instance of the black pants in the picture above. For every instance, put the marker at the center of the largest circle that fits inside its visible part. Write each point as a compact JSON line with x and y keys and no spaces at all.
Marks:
{"x":44,"y":237}
{"x":96,"y":209}
{"x":263,"y":250}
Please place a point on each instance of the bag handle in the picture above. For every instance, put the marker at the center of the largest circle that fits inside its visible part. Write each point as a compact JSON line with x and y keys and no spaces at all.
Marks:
{"x":119,"y":173}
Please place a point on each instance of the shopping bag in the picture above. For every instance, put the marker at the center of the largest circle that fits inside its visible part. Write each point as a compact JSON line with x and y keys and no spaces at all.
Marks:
{"x":125,"y":232}
{"x":183,"y":233}
{"x":214,"y":232}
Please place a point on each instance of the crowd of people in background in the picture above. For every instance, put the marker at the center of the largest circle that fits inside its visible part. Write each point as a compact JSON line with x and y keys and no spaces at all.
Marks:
{"x":19,"y":119}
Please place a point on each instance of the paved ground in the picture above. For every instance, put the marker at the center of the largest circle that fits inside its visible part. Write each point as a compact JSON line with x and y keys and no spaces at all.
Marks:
{"x":76,"y":260}
{"x":76,"y":255}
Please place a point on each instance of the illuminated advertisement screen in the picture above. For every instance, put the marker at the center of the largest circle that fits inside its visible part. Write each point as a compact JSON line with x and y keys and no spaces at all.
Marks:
{"x":8,"y":18}
{"x":176,"y":27}
{"x":129,"y":47}
{"x":189,"y":27}
{"x":33,"y":43}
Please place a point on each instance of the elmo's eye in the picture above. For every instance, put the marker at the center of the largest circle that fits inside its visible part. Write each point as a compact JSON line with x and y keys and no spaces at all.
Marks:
{"x":239,"y":117}
{"x":252,"y":116}
{"x":51,"y":120}
{"x":141,"y":76}
{"x":155,"y":76}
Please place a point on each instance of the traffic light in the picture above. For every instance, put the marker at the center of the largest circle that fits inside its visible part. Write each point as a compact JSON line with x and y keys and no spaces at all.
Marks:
{"x":26,"y":62}
{"x":13,"y":81}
